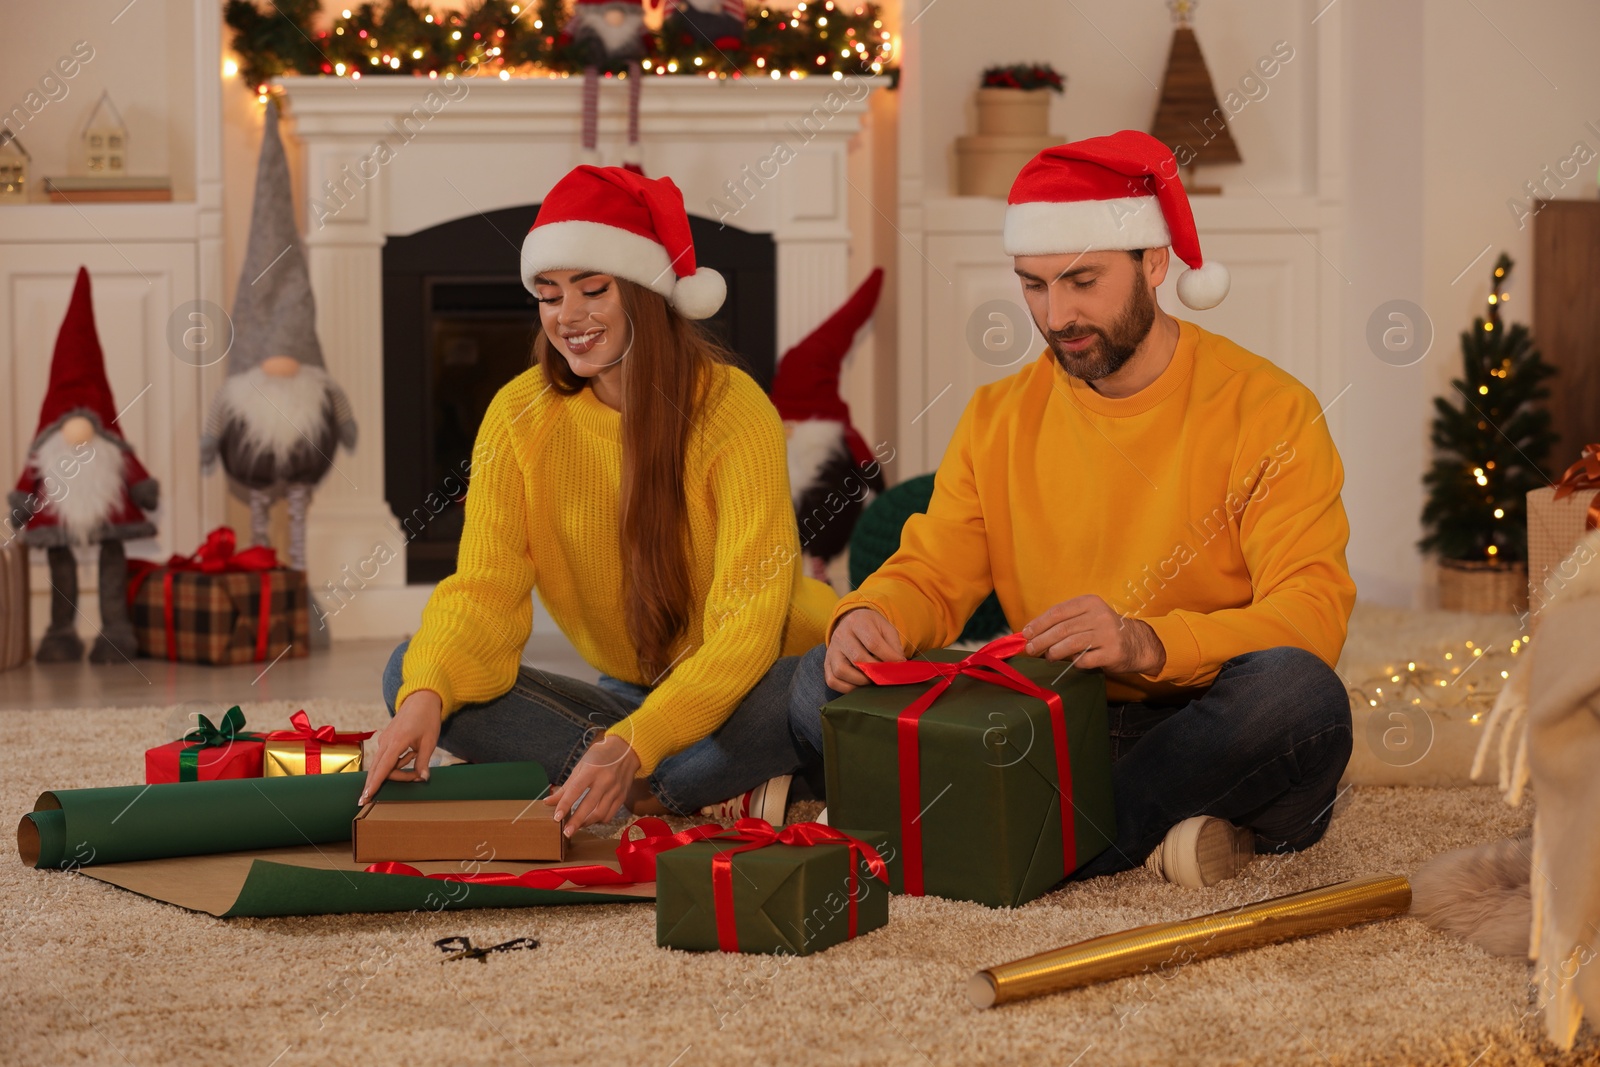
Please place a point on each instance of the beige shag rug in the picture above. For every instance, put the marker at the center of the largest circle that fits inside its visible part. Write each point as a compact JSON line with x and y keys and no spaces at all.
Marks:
{"x":93,"y":974}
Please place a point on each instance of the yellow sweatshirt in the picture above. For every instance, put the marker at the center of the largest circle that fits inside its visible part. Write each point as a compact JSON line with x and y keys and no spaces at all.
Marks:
{"x":1206,"y":504}
{"x":542,"y":512}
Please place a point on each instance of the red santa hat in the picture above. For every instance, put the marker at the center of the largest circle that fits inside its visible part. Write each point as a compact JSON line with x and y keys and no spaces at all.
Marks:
{"x":613,"y":220}
{"x":78,"y":384}
{"x":806,"y":385}
{"x":1110,"y":193}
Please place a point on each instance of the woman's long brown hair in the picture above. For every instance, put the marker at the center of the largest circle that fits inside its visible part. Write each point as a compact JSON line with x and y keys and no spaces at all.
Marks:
{"x":664,"y":387}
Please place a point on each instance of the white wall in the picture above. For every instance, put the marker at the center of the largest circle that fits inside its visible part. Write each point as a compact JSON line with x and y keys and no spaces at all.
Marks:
{"x":143,"y":58}
{"x":1113,"y":54}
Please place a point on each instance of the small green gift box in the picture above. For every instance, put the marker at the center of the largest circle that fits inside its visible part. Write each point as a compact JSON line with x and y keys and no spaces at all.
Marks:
{"x":797,"y":890}
{"x":991,"y":774}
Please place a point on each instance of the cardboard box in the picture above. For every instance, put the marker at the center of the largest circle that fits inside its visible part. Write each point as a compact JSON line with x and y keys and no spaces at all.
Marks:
{"x":481,"y":830}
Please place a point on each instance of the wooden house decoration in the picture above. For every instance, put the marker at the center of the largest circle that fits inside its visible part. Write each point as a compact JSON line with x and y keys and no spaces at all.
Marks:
{"x":14,"y":160}
{"x":1189,"y":119}
{"x":105,"y":139}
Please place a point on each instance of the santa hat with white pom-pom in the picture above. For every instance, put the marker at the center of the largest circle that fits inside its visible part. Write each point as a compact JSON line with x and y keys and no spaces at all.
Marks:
{"x":1111,"y":193}
{"x":612,"y":220}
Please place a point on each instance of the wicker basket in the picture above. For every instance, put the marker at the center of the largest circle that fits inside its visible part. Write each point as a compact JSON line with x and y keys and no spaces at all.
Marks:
{"x":1483,"y":588}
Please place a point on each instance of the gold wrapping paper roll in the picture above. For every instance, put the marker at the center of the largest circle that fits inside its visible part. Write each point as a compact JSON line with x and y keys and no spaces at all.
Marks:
{"x":289,"y":757}
{"x":1313,"y":911}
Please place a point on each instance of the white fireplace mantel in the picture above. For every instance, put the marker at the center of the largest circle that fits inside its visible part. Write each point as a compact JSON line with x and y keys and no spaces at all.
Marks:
{"x":391,"y":155}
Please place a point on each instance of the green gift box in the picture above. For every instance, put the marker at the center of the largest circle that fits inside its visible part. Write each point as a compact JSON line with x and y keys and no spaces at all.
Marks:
{"x":965,"y":763}
{"x":796,"y":891}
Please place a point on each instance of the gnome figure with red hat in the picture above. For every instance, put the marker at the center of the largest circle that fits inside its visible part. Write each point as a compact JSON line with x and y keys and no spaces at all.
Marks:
{"x":82,"y":485}
{"x":831,"y":470}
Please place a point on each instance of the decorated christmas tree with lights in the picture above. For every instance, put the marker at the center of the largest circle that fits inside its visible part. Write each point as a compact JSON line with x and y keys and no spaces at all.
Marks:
{"x":1490,"y":441}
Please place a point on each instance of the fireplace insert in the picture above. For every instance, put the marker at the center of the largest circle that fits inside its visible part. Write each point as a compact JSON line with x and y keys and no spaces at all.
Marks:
{"x":458,"y":324}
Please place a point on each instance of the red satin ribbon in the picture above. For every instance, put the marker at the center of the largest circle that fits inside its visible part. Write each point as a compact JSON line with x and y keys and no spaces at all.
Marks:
{"x":636,"y":858}
{"x":215,"y":556}
{"x":758,"y":833}
{"x":1584,"y":474}
{"x":314,"y":739}
{"x":986,"y":665}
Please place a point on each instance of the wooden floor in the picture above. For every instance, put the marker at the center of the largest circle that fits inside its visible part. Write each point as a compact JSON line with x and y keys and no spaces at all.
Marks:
{"x":350,"y":670}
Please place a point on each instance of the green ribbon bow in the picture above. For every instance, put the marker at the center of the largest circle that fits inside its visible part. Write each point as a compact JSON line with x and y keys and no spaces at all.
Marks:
{"x":208,"y":736}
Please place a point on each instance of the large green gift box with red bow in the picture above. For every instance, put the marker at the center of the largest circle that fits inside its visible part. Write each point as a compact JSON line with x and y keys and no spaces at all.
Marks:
{"x":990,"y":771}
{"x":795,"y":890}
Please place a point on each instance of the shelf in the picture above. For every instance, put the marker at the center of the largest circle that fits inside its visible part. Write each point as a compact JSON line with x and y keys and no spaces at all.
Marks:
{"x":77,"y":223}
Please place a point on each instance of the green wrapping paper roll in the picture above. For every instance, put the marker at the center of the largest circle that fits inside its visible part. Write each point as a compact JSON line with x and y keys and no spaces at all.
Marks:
{"x":119,"y":824}
{"x":1128,"y":952}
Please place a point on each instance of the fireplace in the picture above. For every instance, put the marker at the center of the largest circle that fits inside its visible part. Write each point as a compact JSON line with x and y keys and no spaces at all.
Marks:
{"x":458,"y":324}
{"x":482,"y":153}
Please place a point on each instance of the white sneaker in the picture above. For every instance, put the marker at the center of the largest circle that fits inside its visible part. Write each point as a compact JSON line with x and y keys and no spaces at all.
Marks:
{"x":822,"y":817}
{"x":766,"y":801}
{"x":1202,"y":851}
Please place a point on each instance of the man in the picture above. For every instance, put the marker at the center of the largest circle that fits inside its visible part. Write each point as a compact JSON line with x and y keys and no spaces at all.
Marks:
{"x":1150,"y":500}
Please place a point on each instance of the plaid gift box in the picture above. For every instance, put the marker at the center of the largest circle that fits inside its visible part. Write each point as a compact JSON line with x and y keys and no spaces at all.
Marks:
{"x":220,"y":607}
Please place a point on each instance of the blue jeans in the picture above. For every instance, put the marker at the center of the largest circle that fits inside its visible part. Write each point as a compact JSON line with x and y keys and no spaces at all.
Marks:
{"x":1264,"y":747}
{"x":553,"y":719}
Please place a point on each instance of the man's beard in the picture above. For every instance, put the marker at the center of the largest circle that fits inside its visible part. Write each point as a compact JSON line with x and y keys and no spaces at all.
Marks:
{"x":1117,"y":342}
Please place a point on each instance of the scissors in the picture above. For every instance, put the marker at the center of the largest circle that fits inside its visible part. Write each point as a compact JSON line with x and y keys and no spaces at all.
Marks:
{"x":460,"y":948}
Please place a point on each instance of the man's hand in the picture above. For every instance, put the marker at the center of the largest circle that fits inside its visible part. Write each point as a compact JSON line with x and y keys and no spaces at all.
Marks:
{"x":605,"y":773}
{"x":410,"y":737}
{"x":1089,"y":633}
{"x":862,"y":634}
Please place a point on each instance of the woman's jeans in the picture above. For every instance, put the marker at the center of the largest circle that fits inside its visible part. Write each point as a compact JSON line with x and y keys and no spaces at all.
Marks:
{"x":1263,"y":747}
{"x":553,"y":719}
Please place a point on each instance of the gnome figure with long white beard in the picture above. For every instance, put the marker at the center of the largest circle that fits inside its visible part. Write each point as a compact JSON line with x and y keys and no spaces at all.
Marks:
{"x":82,"y":485}
{"x":278,"y":419}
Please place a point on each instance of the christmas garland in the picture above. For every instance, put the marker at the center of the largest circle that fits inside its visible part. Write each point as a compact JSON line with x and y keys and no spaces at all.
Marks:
{"x":505,"y":39}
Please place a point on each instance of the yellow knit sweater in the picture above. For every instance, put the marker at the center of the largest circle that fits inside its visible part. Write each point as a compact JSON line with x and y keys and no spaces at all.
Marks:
{"x":542,"y":512}
{"x":1206,"y":504}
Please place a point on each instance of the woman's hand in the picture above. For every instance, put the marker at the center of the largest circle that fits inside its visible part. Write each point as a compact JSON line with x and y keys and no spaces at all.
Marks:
{"x":414,"y":730}
{"x":606,"y":773}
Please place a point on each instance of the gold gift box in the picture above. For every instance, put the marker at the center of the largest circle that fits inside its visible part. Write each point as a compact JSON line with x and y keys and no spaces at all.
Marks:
{"x":289,"y":757}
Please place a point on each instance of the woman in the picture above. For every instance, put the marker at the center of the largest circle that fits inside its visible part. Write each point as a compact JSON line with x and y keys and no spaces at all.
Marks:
{"x":639,"y":482}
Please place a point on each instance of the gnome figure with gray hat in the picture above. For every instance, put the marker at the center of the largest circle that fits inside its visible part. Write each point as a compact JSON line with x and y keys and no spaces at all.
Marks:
{"x":278,"y":419}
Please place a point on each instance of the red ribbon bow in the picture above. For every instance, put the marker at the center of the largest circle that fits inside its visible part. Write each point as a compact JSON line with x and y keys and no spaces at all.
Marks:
{"x":215,"y":556}
{"x":758,"y":833}
{"x":314,"y":739}
{"x":636,"y":858}
{"x":1584,"y":474}
{"x":986,"y":665}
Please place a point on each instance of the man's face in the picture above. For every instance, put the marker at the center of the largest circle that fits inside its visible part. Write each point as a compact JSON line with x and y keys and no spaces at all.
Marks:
{"x":1094,"y":308}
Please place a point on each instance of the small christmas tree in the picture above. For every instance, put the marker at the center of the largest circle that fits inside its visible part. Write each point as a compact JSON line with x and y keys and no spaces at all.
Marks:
{"x":1490,"y":444}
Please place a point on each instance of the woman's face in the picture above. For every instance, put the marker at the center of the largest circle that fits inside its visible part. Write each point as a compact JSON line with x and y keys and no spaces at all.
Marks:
{"x":581,"y":312}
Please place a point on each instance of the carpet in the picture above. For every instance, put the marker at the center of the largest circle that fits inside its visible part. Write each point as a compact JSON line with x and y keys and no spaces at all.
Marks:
{"x":90,"y":973}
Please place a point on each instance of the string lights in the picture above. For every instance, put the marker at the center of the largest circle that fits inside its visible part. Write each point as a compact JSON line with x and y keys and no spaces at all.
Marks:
{"x":507,"y":40}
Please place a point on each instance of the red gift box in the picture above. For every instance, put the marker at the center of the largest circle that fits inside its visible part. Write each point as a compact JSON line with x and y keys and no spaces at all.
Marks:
{"x":207,"y":753}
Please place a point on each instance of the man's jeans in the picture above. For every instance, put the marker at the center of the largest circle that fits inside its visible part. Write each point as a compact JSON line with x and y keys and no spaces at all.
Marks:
{"x":553,"y":719}
{"x":1263,"y":747}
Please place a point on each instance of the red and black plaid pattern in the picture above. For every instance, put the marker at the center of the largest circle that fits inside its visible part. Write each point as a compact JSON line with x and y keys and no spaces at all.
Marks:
{"x":215,"y":616}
